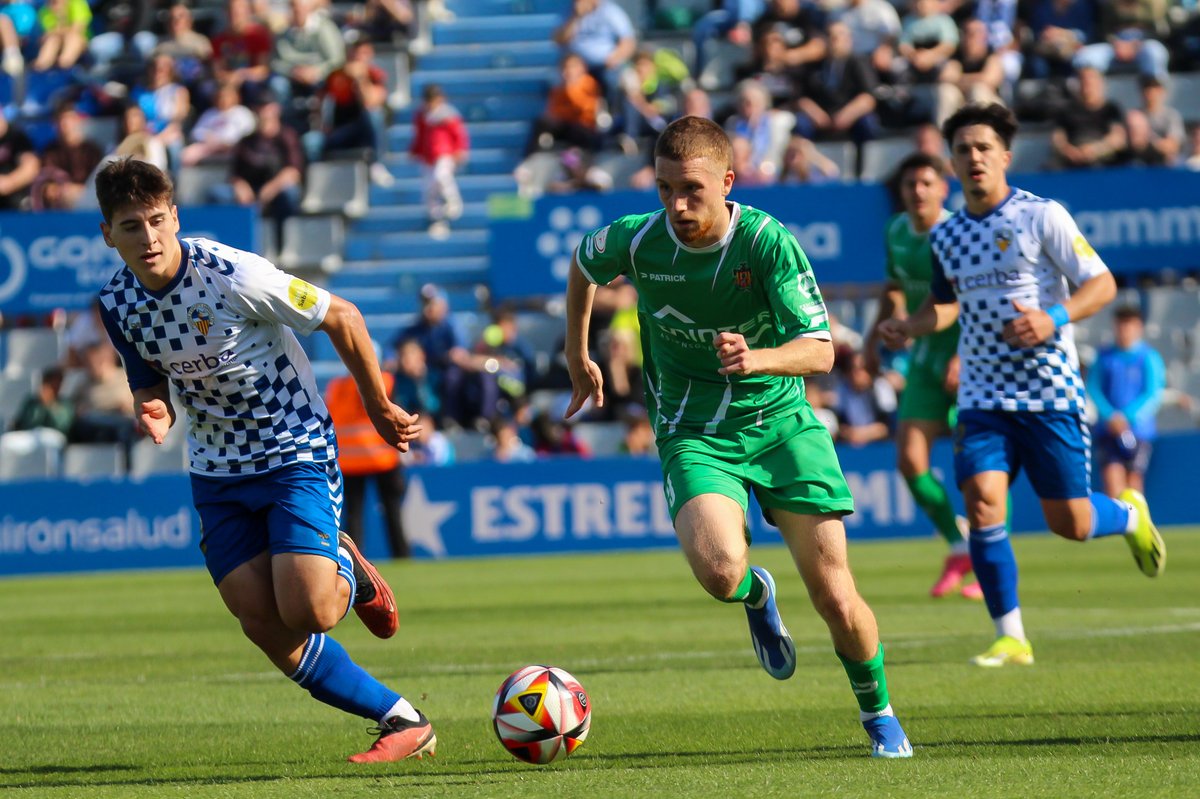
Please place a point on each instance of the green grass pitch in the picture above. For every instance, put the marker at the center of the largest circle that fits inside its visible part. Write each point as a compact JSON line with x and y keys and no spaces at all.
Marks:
{"x":141,"y":685}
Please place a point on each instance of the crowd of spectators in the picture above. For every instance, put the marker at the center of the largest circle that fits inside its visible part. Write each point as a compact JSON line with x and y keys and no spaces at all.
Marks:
{"x":806,"y":71}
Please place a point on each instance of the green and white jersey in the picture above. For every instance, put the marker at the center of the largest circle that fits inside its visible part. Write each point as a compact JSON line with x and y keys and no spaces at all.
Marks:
{"x":910,"y":266}
{"x":755,"y":281}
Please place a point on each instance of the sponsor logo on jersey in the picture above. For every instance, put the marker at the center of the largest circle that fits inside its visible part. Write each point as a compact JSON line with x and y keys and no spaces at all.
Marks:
{"x":1004,"y":238}
{"x":600,"y":240}
{"x":663,"y":278}
{"x":742,"y":276}
{"x":203,"y":363}
{"x":201,"y":317}
{"x":302,"y":294}
{"x":1082,"y":248}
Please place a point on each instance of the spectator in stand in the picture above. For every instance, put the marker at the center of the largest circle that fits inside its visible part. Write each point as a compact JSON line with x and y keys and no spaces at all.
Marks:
{"x":999,"y":18}
{"x":839,"y":98}
{"x":578,"y":172}
{"x":731,"y":19}
{"x":650,"y":84}
{"x":771,"y":68}
{"x":242,"y":51}
{"x":1129,"y":29}
{"x":553,"y":436}
{"x":802,"y":25}
{"x":414,"y":388}
{"x":1059,"y":29}
{"x":267,"y":169}
{"x":1126,"y":383}
{"x":600,"y":33}
{"x":433,"y":448}
{"x":46,"y":407}
{"x":165,"y":102}
{"x":383,"y":21}
{"x":509,"y":358}
{"x":571,"y":110}
{"x":864,"y":404}
{"x":440,"y":143}
{"x":748,"y":172}
{"x":65,"y":28}
{"x":66,"y":164}
{"x":1193,"y":157}
{"x":191,"y":50}
{"x":639,"y":434}
{"x":804,"y":163}
{"x":137,"y":140}
{"x":875,"y":29}
{"x":1156,"y":129}
{"x":103,"y":405}
{"x":19,"y":166}
{"x":303,"y":57}
{"x":353,"y":118}
{"x":220,"y":128}
{"x":509,"y":447}
{"x":365,"y":457}
{"x":928,"y":39}
{"x":1090,"y":131}
{"x":975,"y":74}
{"x":17,"y":20}
{"x":764,"y":129}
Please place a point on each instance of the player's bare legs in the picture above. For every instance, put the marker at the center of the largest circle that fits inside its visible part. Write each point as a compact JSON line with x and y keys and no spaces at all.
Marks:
{"x":818,"y":546}
{"x":249,"y":593}
{"x":914,"y":440}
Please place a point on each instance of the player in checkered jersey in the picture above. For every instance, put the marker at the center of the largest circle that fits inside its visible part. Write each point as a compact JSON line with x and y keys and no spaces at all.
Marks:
{"x":1004,"y":268}
{"x":217,"y":323}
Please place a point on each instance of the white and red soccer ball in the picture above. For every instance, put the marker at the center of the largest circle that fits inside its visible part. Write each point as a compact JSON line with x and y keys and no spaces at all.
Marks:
{"x":541,"y":713}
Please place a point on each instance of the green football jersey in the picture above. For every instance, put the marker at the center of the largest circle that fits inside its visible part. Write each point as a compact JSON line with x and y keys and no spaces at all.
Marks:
{"x":910,"y":266}
{"x":756,"y":281}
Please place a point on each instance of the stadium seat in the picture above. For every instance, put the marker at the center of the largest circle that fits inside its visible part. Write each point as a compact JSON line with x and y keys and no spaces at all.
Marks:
{"x":30,"y":350}
{"x":30,"y":454}
{"x":544,"y":333}
{"x":881,"y":156}
{"x":93,"y":461}
{"x":1030,"y":152}
{"x":336,"y":187}
{"x":470,"y":445}
{"x":147,"y":458}
{"x":536,"y":172}
{"x":602,"y":438}
{"x":840,"y":153}
{"x":193,"y":182}
{"x":723,"y":60}
{"x":313,"y":242}
{"x":13,"y":391}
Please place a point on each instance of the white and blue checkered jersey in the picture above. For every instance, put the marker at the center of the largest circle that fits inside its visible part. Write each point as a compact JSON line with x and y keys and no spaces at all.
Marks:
{"x":1027,"y":249}
{"x":221,"y":332}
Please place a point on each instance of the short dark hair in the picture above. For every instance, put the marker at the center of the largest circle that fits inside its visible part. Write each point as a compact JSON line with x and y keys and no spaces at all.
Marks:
{"x":695,"y":137}
{"x":1124,"y":313}
{"x":431,"y":91}
{"x":919,"y":160}
{"x":994,"y":115}
{"x":126,"y":181}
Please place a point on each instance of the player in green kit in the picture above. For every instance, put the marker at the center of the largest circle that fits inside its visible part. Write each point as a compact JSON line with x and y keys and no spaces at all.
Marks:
{"x":931,"y":384}
{"x":731,"y":320}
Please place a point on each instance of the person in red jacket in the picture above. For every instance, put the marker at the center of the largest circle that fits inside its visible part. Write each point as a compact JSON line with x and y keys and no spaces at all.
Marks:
{"x":440,"y":143}
{"x":363,"y":456}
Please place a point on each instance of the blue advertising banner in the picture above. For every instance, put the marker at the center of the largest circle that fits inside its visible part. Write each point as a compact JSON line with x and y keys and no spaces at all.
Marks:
{"x":58,"y":259}
{"x":1138,"y":219}
{"x":487,"y":509}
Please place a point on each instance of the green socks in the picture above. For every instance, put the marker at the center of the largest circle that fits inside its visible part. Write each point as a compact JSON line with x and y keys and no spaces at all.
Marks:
{"x":868,"y":682}
{"x":750,"y":590}
{"x":931,"y":495}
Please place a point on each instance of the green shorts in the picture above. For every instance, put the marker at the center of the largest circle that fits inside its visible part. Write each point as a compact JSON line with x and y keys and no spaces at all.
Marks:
{"x":925,"y":396}
{"x":789,"y":462}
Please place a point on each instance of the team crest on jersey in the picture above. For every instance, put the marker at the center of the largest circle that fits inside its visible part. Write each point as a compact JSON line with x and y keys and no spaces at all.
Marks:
{"x":1004,"y":239}
{"x":201,"y":317}
{"x":742,"y":276}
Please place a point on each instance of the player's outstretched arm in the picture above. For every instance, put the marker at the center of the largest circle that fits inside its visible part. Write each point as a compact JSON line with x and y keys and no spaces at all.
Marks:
{"x":796,"y":358}
{"x":347,"y":329}
{"x":586,"y":380}
{"x":156,"y":414}
{"x":931,"y":317}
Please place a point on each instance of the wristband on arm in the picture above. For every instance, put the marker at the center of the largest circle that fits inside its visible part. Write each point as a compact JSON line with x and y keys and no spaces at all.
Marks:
{"x":1058,"y":313}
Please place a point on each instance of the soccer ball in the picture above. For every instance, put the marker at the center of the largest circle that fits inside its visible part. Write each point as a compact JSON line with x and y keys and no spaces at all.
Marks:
{"x":541,"y":713}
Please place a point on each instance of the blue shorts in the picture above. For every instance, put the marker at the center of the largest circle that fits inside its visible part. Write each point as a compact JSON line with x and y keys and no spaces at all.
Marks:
{"x":1109,"y":451}
{"x":295,"y":508}
{"x":1054,"y":448}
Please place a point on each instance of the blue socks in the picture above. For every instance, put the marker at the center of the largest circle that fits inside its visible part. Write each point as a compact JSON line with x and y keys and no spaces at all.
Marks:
{"x":1109,"y":516}
{"x":329,"y":674}
{"x":995,"y":567}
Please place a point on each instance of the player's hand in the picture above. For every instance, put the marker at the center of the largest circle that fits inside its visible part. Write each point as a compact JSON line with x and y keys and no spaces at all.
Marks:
{"x":950,"y":381}
{"x":1031,"y":328}
{"x":894,"y":333}
{"x":586,"y":382}
{"x":736,"y":356}
{"x":395,"y":425}
{"x":154,"y":419}
{"x":1117,"y":424}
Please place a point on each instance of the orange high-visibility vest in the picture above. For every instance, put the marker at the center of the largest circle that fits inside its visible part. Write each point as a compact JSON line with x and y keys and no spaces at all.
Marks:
{"x":360,"y":449}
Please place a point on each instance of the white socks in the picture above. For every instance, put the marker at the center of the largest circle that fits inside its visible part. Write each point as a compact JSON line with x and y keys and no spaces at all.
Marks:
{"x":1010,"y":624}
